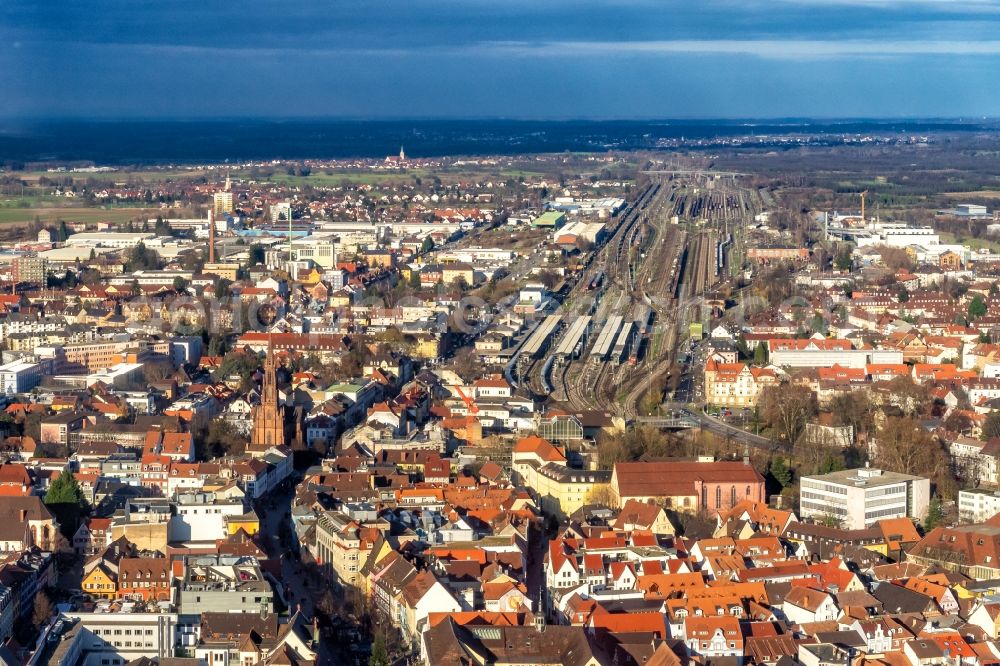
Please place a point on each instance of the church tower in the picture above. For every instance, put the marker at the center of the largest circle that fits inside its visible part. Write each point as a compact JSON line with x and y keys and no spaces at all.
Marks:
{"x":402,"y":155}
{"x":268,"y":416}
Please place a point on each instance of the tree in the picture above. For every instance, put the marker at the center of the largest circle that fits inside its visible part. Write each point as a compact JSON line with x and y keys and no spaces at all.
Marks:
{"x":238,"y":362}
{"x":760,"y":354}
{"x":222,"y":287}
{"x":853,"y":409}
{"x":141,"y":258}
{"x":64,"y":490}
{"x":180,"y":284}
{"x":903,"y":445}
{"x":601,"y":494}
{"x":780,"y":472}
{"x":844,"y":261}
{"x":631,"y":445}
{"x":42,"y":610}
{"x":786,"y":408}
{"x":256,"y":254}
{"x":548,"y":278}
{"x":222,"y":439}
{"x":935,"y":514}
{"x":380,"y":654}
{"x":895,"y":258}
{"x":427,"y":245}
{"x":912,"y":399}
{"x":977,"y":307}
{"x":991,"y":425}
{"x":467,"y":365}
{"x":156,"y":371}
{"x":831,"y":520}
{"x":650,"y":401}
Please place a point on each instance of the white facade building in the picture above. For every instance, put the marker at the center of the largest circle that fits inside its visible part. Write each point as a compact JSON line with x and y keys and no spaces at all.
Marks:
{"x":21,"y":376}
{"x":977,"y":505}
{"x":117,"y":239}
{"x":858,"y":498}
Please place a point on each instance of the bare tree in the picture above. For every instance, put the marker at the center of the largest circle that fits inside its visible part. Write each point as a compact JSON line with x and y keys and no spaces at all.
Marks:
{"x":787,"y":408}
{"x":911,"y":398}
{"x":903,"y":445}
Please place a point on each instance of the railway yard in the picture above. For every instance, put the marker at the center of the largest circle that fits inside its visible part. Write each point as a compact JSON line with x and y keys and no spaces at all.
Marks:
{"x":623,"y":323}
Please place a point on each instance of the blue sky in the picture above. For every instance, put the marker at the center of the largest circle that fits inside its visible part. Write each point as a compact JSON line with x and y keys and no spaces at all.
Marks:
{"x":502,"y":58}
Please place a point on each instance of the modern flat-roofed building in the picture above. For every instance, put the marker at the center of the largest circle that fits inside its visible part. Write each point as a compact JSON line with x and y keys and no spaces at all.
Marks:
{"x":118,"y":239}
{"x":971,"y":210}
{"x":29,"y":269}
{"x":21,"y":376}
{"x":114,"y":639}
{"x":224,"y":584}
{"x":222,"y":203}
{"x":977,"y":505}
{"x":858,"y":498}
{"x":320,"y":250}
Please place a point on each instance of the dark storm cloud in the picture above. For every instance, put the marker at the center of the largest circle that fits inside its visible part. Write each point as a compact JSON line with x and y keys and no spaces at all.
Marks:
{"x":545,"y":58}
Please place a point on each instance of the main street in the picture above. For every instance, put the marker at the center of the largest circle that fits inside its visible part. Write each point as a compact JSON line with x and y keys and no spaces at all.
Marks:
{"x":278,"y":540}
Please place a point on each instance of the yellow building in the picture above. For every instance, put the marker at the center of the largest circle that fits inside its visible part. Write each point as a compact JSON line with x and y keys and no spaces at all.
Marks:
{"x":310,"y":277}
{"x":560,"y":490}
{"x":248,"y":522}
{"x":100,"y":582}
{"x":427,"y":346}
{"x":735,"y":384}
{"x":222,"y":204}
{"x":452,"y":272}
{"x":223,"y":270}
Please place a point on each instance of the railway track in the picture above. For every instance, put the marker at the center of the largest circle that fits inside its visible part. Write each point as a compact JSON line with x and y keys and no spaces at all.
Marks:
{"x":651,"y":262}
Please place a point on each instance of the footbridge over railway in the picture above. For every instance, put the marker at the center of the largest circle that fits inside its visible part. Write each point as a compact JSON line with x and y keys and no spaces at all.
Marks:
{"x":669,"y":422}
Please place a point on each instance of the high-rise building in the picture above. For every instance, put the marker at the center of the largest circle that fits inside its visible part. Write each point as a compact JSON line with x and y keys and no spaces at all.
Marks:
{"x":29,"y":269}
{"x":269,"y":416}
{"x":281,"y":212}
{"x":222,"y":204}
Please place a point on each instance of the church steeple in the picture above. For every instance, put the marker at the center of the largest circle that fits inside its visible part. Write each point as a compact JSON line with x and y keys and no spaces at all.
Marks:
{"x":402,"y":155}
{"x":269,"y":387}
{"x":268,"y":416}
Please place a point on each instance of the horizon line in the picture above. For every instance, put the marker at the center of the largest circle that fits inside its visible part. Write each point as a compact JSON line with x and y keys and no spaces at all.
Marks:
{"x":37,"y":119}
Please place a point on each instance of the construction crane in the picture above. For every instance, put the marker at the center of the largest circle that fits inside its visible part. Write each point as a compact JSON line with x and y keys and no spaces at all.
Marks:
{"x":470,"y":405}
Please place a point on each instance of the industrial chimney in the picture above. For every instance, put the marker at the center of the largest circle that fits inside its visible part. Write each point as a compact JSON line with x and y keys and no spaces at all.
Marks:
{"x":211,"y":236}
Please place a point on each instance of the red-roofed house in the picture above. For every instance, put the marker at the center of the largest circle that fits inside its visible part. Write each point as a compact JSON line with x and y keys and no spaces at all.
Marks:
{"x":713,"y":636}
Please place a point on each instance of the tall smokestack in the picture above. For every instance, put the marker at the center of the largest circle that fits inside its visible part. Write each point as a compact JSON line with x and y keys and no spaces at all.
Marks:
{"x":211,"y":235}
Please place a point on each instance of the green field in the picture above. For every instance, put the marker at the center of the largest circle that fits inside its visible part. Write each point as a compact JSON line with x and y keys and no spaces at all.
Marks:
{"x":11,"y":215}
{"x":973,"y":243}
{"x":335,"y":178}
{"x":117,"y":176}
{"x":318,"y":177}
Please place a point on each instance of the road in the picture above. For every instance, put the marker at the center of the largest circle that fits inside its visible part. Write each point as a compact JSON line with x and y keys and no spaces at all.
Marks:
{"x":277,"y":539}
{"x":720,"y":427}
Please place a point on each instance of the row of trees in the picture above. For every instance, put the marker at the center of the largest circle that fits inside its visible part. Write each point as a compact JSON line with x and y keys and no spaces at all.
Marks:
{"x":887,"y":429}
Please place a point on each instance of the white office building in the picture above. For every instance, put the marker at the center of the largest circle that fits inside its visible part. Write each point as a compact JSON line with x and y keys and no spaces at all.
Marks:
{"x":977,"y":505}
{"x":858,"y":498}
{"x":104,"y":638}
{"x":320,"y":250}
{"x":116,"y":239}
{"x":22,"y":375}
